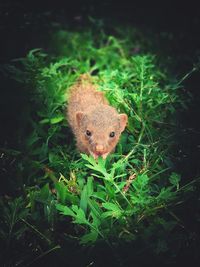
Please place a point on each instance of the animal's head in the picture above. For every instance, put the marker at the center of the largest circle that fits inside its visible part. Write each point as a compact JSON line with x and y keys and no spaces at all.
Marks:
{"x":100,"y":129}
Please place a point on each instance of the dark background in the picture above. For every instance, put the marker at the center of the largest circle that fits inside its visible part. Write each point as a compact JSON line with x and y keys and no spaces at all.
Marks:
{"x":173,"y":25}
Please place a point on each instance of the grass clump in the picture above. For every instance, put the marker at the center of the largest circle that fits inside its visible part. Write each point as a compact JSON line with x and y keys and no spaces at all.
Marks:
{"x":131,"y":194}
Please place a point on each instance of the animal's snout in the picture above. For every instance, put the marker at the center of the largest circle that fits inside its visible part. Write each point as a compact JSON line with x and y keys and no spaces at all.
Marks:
{"x":99,"y":148}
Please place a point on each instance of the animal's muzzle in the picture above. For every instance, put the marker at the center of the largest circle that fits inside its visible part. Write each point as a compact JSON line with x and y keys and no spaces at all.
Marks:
{"x":99,"y":148}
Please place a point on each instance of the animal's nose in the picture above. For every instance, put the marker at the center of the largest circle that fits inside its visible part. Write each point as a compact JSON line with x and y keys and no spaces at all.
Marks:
{"x":99,"y":148}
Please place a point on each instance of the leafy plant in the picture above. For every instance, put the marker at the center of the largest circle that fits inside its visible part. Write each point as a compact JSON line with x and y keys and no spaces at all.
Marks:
{"x":126,"y":197}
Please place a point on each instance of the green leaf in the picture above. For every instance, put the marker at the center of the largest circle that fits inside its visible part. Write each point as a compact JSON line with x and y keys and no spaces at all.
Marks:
{"x":56,"y":119}
{"x":44,"y":121}
{"x":89,"y":238}
{"x":99,"y":167}
{"x":111,"y":214}
{"x":110,"y":206}
{"x":101,"y":195}
{"x":62,"y":191}
{"x":84,"y":199}
{"x":90,"y":159}
{"x":53,"y":120}
{"x":101,"y":164}
{"x":95,"y":209}
{"x":143,"y":180}
{"x":175,"y":179}
{"x":91,"y":167}
{"x":45,"y":192}
{"x":140,"y":182}
{"x":32,"y":139}
{"x":80,"y":217}
{"x":114,"y":210}
{"x":90,"y":189}
{"x":65,"y":210}
{"x":64,"y":195}
{"x":166,"y":194}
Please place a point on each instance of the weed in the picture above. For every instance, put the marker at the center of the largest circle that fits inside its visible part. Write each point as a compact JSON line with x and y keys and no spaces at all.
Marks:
{"x":131,"y":193}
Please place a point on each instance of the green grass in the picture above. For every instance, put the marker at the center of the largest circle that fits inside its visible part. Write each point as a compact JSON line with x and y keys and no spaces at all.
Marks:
{"x":129,"y":197}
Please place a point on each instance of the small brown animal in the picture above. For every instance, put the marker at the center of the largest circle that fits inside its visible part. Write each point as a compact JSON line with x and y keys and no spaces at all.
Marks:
{"x":96,"y":125}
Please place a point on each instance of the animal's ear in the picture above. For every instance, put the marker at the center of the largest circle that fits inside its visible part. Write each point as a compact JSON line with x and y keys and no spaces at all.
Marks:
{"x":79,"y":117}
{"x":123,"y":121}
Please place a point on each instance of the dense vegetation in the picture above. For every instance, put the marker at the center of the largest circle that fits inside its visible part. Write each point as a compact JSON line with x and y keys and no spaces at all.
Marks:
{"x":67,"y":199}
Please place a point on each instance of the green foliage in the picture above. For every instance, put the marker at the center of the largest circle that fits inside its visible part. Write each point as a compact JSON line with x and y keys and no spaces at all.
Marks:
{"x":126,"y":196}
{"x":12,"y":213}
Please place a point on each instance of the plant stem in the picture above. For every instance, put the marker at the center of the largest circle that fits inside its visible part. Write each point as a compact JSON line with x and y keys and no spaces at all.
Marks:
{"x":44,"y":254}
{"x":35,"y":230}
{"x":123,"y":195}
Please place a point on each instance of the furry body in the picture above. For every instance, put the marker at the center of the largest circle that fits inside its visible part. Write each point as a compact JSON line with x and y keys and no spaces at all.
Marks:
{"x":96,"y":125}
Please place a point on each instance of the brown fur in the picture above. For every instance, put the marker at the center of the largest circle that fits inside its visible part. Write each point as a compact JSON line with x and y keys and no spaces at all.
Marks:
{"x":88,"y":110}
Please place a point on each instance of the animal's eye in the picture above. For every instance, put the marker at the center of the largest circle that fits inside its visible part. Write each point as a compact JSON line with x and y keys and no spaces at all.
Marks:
{"x":88,"y":133}
{"x":112,"y":134}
